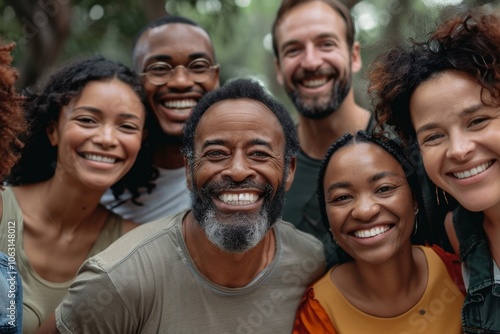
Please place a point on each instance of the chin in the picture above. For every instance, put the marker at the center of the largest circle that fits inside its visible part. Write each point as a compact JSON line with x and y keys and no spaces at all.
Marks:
{"x":477,"y":206}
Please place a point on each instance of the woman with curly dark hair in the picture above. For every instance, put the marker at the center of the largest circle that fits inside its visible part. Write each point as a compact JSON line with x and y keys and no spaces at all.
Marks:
{"x":12,"y":124}
{"x":86,"y":129}
{"x":444,"y":94}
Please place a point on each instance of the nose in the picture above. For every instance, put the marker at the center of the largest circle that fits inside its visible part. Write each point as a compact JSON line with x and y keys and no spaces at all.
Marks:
{"x":460,"y":147}
{"x":238,"y":168}
{"x":365,"y":208}
{"x":180,"y":79}
{"x":312,"y":59}
{"x":105,"y":137}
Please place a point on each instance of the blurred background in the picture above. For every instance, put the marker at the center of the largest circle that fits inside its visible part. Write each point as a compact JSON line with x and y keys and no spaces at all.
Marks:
{"x":48,"y":32}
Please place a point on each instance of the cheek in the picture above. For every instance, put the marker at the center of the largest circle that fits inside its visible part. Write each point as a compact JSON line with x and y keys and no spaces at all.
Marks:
{"x":336,"y":218}
{"x":431,"y":162}
{"x":209,"y":84}
{"x":288,"y":70}
{"x":72,"y":137}
{"x":203,"y":173}
{"x":133,"y":145}
{"x":150,"y":90}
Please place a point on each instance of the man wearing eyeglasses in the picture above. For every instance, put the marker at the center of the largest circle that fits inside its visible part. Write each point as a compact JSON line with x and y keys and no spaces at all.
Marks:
{"x":176,"y":58}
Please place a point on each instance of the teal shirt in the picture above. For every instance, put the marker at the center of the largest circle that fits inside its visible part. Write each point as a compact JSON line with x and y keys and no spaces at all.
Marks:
{"x":302,"y":206}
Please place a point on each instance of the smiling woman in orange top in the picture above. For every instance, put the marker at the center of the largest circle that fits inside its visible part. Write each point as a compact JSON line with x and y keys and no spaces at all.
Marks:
{"x":369,"y":197}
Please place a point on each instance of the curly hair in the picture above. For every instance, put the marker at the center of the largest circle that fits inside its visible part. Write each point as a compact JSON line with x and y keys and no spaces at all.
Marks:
{"x":243,"y":88}
{"x":398,"y":153}
{"x":39,"y":157}
{"x":12,"y":122}
{"x":468,"y":43}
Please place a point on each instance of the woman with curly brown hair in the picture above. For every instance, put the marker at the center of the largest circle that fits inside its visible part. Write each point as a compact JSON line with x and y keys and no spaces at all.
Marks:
{"x":12,"y":124}
{"x":86,"y":131}
{"x":444,"y":94}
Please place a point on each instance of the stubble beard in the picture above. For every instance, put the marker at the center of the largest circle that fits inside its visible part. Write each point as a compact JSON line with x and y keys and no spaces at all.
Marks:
{"x":321,"y":107}
{"x":317,"y":109}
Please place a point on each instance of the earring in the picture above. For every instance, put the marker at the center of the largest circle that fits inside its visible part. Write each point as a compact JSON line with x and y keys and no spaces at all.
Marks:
{"x":415,"y":211}
{"x":333,"y":237}
{"x":444,"y":195}
{"x":445,"y":198}
{"x":437,"y":195}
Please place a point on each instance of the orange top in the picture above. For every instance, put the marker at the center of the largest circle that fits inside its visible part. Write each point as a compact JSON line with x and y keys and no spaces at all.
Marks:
{"x":324,"y":310}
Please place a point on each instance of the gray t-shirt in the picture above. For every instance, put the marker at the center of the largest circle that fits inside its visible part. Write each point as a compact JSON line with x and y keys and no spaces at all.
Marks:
{"x":147,"y":283}
{"x":170,"y":195}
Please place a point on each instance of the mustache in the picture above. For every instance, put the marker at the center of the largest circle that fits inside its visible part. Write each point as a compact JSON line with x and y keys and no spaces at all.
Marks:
{"x":302,"y":74}
{"x":217,"y":187}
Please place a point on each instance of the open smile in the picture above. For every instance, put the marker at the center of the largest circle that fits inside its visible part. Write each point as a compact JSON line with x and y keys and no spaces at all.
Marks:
{"x":98,"y":158}
{"x":180,"y":104}
{"x":473,"y":171}
{"x":372,"y":232}
{"x":238,"y":199}
{"x":313,"y":83}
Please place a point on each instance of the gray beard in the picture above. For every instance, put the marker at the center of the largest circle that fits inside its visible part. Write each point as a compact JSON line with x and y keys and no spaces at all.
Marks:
{"x":242,"y":233}
{"x":236,"y":232}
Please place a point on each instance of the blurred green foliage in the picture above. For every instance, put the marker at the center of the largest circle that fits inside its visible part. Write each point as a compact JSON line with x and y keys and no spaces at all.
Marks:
{"x":240,"y":30}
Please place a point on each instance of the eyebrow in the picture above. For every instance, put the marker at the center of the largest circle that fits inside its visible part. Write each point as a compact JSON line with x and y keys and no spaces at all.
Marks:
{"x":383,"y":174}
{"x":211,"y":142}
{"x":166,"y":58}
{"x":372,"y":179}
{"x":320,"y":36}
{"x":466,"y":112}
{"x":100,"y":112}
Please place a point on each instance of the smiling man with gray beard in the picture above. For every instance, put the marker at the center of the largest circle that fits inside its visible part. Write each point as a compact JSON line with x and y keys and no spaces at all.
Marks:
{"x":228,"y":265}
{"x":246,"y":230}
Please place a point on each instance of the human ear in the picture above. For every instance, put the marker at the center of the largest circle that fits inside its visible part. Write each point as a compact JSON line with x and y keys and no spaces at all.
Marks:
{"x":189,"y":182}
{"x":279,"y":76}
{"x":52,"y":133}
{"x":291,"y":173}
{"x":356,"y":62}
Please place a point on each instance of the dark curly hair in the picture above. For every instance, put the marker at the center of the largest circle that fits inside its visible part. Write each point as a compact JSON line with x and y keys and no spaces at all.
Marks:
{"x":468,"y":42}
{"x":12,"y":122}
{"x":39,"y":157}
{"x":243,"y":88}
{"x":397,"y":152}
{"x":336,"y":5}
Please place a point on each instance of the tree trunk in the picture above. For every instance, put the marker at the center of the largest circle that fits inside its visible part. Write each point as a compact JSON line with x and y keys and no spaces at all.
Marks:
{"x":45,"y":27}
{"x":154,"y":9}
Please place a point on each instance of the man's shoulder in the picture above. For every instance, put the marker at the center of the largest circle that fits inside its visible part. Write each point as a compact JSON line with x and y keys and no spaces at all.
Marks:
{"x":301,"y":248}
{"x":146,"y":239}
{"x":290,"y":234}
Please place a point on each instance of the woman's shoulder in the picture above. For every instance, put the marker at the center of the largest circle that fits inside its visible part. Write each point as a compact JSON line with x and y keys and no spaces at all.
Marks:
{"x":9,"y":206}
{"x":128,"y":225}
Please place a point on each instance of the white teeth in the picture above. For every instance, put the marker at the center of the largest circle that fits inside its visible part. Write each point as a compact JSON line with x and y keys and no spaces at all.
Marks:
{"x":99,"y":158}
{"x":473,"y":171}
{"x":314,"y":83}
{"x":180,"y":104}
{"x":371,"y":232}
{"x":238,"y":199}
